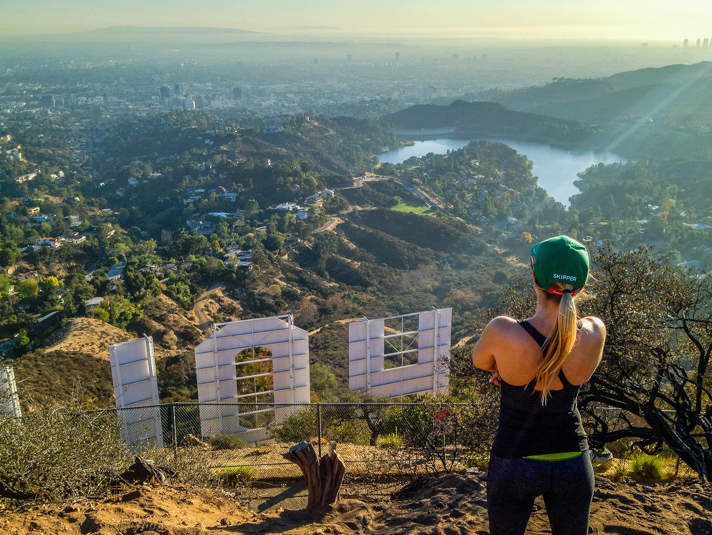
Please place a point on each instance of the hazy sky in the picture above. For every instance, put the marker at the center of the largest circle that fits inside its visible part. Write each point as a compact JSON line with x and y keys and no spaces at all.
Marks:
{"x":587,"y":19}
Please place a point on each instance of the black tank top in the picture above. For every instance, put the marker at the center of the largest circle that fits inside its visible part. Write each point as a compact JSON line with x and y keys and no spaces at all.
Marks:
{"x":528,"y":428}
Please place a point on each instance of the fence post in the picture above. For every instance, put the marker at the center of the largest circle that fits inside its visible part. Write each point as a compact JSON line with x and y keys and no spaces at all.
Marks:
{"x":175,"y":432}
{"x":318,"y":425}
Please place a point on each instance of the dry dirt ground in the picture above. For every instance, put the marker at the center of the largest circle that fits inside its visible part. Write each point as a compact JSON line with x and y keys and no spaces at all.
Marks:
{"x":86,"y":335}
{"x":447,"y":505}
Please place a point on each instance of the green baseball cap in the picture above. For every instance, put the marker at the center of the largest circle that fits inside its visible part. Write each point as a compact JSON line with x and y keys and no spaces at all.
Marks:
{"x":560,"y":259}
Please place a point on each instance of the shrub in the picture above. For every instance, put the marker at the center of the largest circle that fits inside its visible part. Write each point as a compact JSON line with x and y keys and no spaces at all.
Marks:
{"x":474,"y":459}
{"x":226,"y":442}
{"x":389,"y":442}
{"x":236,"y":476}
{"x":56,"y":454}
{"x":349,"y":432}
{"x":647,"y":468}
{"x":99,"y":313}
{"x":296,"y":428}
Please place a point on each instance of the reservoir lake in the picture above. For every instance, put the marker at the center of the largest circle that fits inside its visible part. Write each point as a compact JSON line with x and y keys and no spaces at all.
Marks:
{"x":555,"y":168}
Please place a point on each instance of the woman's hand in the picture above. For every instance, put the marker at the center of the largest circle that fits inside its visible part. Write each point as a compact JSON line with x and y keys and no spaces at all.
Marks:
{"x":494,"y":379}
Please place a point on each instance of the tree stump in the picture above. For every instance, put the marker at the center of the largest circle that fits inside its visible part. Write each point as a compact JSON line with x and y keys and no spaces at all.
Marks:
{"x":323,"y":476}
{"x":142,"y":471}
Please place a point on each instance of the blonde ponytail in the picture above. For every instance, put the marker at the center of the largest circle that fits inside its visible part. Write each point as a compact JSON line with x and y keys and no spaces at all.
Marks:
{"x":558,"y":344}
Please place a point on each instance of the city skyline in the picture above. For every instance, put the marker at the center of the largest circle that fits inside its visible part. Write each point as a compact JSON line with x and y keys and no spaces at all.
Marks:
{"x":654,"y":20}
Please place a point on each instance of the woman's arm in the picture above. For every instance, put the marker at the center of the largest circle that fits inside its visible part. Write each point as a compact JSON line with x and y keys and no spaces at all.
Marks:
{"x":483,"y":354}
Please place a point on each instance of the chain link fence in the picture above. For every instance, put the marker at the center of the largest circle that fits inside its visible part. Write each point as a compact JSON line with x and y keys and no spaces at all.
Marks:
{"x":63,"y":453}
{"x":375,"y":440}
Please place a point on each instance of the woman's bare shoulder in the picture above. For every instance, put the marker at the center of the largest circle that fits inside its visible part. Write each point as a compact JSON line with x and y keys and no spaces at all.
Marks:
{"x":502,"y":325}
{"x":594,"y":327}
{"x":592,"y":334}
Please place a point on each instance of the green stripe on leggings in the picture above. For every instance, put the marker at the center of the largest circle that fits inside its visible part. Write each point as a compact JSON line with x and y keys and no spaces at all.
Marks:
{"x":555,"y":456}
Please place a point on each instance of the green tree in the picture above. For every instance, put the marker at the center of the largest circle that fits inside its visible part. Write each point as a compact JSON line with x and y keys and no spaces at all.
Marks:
{"x":322,"y":381}
{"x":274,"y":241}
{"x":325,"y":246}
{"x":4,"y":284}
{"x":140,"y":285}
{"x":9,"y":254}
{"x":50,"y":284}
{"x":28,"y":288}
{"x":251,"y":208}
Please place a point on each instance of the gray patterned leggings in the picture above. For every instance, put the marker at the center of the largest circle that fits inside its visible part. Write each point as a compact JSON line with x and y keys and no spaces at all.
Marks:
{"x":513,"y":484}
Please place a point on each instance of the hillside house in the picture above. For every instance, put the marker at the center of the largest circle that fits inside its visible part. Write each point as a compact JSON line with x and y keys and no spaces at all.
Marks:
{"x":73,"y":238}
{"x":232,"y":250}
{"x":26,"y":178}
{"x":291,"y":240}
{"x":91,"y":304}
{"x":287,"y":207}
{"x":116,"y":272}
{"x":45,"y":322}
{"x":43,"y":218}
{"x":206,"y":228}
{"x":47,"y":242}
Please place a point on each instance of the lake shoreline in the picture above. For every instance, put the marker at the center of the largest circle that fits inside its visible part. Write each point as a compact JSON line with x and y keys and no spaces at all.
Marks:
{"x":556,"y":168}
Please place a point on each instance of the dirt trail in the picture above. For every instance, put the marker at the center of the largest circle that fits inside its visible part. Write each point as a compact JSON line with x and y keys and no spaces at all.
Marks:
{"x":463,"y":341}
{"x":202,"y":319}
{"x":342,"y":322}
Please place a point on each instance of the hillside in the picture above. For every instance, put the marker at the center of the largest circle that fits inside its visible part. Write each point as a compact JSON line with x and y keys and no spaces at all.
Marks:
{"x":86,"y":335}
{"x":370,"y":249}
{"x":676,"y":93}
{"x":492,"y":120}
{"x":67,"y":378}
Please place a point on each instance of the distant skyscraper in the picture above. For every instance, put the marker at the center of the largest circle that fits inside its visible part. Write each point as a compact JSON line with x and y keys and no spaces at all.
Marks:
{"x":176,"y":89}
{"x":165,"y":92}
{"x":236,"y":93}
{"x":397,"y":57}
{"x":706,"y":42}
{"x":686,"y":43}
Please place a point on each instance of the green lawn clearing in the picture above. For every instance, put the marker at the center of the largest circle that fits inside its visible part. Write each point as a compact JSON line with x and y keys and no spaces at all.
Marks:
{"x":403,"y":207}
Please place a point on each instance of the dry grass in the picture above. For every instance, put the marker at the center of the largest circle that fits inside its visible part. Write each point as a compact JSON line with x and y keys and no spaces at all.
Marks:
{"x":86,"y":335}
